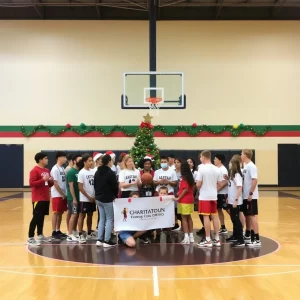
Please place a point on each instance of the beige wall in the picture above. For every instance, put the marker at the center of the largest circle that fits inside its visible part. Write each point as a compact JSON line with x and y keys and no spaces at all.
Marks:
{"x":58,"y":72}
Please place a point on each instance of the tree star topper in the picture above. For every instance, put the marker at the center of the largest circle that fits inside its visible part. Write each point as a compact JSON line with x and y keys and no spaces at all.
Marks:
{"x":147,"y":118}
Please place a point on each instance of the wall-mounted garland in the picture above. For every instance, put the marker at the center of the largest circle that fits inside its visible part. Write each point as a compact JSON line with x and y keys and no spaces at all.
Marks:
{"x":130,"y":131}
{"x":193,"y":130}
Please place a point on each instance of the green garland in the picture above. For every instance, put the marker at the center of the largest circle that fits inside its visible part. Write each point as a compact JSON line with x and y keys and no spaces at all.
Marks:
{"x":130,"y":131}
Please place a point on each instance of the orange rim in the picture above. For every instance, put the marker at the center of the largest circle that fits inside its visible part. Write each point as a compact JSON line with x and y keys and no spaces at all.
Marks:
{"x":154,"y":100}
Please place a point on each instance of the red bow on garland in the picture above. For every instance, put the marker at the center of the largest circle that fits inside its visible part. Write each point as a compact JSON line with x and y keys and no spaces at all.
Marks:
{"x":147,"y":125}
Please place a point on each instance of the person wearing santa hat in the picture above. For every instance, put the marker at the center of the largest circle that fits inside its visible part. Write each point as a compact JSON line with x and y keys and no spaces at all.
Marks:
{"x":113,"y":157}
{"x":97,"y":160}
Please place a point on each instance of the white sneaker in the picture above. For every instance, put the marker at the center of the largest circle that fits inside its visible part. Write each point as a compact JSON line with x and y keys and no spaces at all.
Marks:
{"x":94,"y":233}
{"x":205,"y":244}
{"x":186,"y":240}
{"x":192,"y":240}
{"x":216,"y":243}
{"x":91,"y":237}
{"x":99,"y":243}
{"x":72,"y":238}
{"x":255,"y":243}
{"x":82,"y":239}
{"x":76,"y":233}
{"x":41,"y":238}
{"x":33,"y":242}
{"x":247,"y":240}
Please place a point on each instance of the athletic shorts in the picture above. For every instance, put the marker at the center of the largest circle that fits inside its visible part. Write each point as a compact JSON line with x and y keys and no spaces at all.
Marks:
{"x":73,"y":209}
{"x":59,"y":204}
{"x":250,"y":208}
{"x":221,"y":203}
{"x":87,"y":207}
{"x":41,"y":207}
{"x":207,"y":207}
{"x":185,"y":209}
{"x":124,"y":235}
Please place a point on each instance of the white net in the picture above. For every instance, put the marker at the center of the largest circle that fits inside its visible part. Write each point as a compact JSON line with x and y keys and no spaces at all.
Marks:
{"x":154,"y":109}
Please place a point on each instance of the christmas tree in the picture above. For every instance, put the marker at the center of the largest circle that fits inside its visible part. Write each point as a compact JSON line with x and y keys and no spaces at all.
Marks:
{"x":144,"y":142}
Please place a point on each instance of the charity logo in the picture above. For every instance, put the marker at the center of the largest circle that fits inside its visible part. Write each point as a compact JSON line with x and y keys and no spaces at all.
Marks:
{"x":124,"y":212}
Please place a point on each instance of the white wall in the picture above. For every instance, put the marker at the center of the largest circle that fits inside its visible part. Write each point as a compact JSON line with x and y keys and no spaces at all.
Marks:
{"x":58,"y":72}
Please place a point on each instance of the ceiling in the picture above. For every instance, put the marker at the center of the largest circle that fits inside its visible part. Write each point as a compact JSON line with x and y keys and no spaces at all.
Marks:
{"x":138,"y":9}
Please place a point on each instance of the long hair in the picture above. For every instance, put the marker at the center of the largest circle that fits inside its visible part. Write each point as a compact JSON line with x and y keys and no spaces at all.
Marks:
{"x":194,"y":164}
{"x":186,"y":174}
{"x":126,"y":158}
{"x":235,"y":167}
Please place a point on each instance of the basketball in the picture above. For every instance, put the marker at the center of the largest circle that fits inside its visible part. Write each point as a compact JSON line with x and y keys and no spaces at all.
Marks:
{"x":147,"y":178}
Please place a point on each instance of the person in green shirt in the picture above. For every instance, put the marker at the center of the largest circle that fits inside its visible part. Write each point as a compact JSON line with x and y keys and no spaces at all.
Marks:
{"x":73,"y":197}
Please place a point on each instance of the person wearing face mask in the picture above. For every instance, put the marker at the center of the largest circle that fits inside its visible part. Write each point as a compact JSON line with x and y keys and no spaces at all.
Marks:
{"x":165,"y":176}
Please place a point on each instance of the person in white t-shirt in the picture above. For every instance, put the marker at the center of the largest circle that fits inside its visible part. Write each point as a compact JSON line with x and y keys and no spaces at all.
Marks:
{"x":58,"y":194}
{"x":250,"y":196}
{"x":222,"y":191}
{"x":171,"y":161}
{"x":86,"y":196}
{"x":207,"y":180}
{"x":129,"y":178}
{"x":235,"y":202}
{"x":165,"y":177}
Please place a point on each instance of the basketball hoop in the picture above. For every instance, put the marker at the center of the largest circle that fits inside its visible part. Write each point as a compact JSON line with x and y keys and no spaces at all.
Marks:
{"x":154,"y":104}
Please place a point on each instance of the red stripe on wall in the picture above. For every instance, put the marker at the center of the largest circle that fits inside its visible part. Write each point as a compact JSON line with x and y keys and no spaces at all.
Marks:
{"x":156,"y":134}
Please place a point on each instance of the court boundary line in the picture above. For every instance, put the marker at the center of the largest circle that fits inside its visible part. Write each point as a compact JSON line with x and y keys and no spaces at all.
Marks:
{"x":204,"y":265}
{"x":172,"y":266}
{"x":149,"y":279}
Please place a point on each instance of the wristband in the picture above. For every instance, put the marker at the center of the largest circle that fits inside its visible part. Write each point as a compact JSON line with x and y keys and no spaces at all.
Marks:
{"x":250,"y":193}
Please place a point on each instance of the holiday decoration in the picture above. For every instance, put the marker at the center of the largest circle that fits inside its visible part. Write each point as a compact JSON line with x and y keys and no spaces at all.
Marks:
{"x":235,"y":126}
{"x":130,"y":131}
{"x":144,"y":142}
{"x":68,"y":126}
{"x":82,"y":125}
{"x":194,"y":125}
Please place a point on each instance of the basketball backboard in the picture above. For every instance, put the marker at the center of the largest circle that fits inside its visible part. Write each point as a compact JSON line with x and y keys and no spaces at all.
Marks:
{"x":140,"y":86}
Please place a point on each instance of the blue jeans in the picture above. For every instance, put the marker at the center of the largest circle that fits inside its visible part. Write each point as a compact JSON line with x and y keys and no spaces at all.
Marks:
{"x":106,"y":211}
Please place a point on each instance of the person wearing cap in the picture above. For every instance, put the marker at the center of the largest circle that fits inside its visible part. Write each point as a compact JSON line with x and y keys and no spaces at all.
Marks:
{"x":171,"y":161}
{"x":113,"y":157}
{"x":97,"y":158}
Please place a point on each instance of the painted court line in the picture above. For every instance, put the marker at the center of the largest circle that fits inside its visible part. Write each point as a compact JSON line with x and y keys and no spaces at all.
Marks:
{"x":148,"y":279}
{"x":16,"y":208}
{"x":291,"y":207}
{"x":155,"y":282}
{"x":100,"y":266}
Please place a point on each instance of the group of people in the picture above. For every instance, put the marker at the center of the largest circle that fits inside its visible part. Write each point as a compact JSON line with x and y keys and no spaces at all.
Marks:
{"x":93,"y":182}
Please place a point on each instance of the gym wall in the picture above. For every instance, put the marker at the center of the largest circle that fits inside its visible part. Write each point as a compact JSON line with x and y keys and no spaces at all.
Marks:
{"x":58,"y":72}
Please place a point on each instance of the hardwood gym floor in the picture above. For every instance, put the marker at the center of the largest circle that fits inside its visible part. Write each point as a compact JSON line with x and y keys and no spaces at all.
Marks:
{"x":27,"y":275}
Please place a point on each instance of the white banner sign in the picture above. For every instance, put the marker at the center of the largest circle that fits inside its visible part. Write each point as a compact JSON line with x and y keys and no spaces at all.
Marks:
{"x":146,"y":213}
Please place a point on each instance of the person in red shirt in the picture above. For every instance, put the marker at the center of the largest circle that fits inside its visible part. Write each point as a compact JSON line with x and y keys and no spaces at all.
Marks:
{"x":40,"y":182}
{"x":185,"y":200}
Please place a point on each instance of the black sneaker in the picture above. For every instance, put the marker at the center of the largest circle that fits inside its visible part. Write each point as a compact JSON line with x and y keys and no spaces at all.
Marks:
{"x":238,"y":244}
{"x":107,"y":244}
{"x":201,"y":231}
{"x":231,"y":239}
{"x":61,"y":235}
{"x":223,"y":231}
{"x":144,"y":240}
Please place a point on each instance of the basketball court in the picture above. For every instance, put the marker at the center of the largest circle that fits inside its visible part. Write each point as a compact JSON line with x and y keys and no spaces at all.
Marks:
{"x":155,"y":271}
